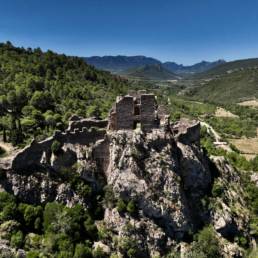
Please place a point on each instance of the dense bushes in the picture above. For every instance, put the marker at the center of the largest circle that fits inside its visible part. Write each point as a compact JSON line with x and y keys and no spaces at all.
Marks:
{"x":53,"y":229}
{"x":121,"y":206}
{"x":235,"y":127}
{"x":130,"y":207}
{"x":217,"y":189}
{"x":56,"y":147}
{"x":206,"y":244}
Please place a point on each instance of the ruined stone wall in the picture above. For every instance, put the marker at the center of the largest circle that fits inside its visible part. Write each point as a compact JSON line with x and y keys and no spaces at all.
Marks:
{"x":31,"y":156}
{"x":124,"y":113}
{"x":147,"y":112}
{"x":187,"y":132}
{"x":87,"y":123}
{"x":163,"y":115}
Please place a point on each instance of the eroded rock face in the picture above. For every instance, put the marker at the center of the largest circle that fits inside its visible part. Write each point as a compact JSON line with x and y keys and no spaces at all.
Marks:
{"x":7,"y":251}
{"x":230,"y":215}
{"x":254,"y":178}
{"x":163,"y":177}
{"x":40,"y":188}
{"x":48,"y":182}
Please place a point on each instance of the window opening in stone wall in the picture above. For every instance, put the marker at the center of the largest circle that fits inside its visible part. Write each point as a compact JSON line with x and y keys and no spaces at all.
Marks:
{"x":136,"y":110}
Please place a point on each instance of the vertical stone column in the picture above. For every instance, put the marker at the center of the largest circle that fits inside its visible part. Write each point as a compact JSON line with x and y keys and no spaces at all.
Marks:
{"x":148,"y":108}
{"x":125,"y":113}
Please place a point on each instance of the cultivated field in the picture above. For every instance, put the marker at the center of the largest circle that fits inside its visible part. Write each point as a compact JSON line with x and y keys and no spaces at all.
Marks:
{"x":221,"y":112}
{"x":247,"y":146}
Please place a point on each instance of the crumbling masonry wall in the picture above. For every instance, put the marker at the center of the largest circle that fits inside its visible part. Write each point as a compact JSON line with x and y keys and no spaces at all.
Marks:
{"x":134,"y":109}
{"x":31,"y":156}
{"x":124,"y":113}
{"x":86,"y":123}
{"x":148,"y":114}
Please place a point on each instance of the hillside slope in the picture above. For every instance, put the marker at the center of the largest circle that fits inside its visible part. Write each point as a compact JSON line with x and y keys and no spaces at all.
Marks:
{"x":229,"y":67}
{"x":151,"y":72}
{"x":231,"y":87}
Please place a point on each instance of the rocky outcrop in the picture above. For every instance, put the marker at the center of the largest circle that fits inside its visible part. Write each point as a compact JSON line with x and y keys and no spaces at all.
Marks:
{"x":7,"y":251}
{"x":163,"y":177}
{"x":254,"y":178}
{"x":163,"y":174}
{"x":38,"y":154}
{"x":231,"y":215}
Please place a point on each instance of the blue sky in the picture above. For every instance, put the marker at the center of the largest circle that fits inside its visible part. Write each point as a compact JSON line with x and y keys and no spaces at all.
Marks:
{"x":185,"y":31}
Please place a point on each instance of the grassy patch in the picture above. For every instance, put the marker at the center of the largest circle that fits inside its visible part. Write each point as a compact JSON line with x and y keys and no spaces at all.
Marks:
{"x":189,"y":108}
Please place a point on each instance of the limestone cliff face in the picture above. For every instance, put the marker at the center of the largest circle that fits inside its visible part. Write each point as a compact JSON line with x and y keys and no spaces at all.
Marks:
{"x":168,"y":180}
{"x":166,"y":175}
{"x":165,"y":178}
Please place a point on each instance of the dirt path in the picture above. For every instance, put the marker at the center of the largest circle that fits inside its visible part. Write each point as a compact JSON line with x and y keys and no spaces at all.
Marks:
{"x":218,"y":141}
{"x":212,"y":131}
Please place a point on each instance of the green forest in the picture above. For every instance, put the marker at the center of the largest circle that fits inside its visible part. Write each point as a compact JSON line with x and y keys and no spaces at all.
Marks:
{"x":39,"y":91}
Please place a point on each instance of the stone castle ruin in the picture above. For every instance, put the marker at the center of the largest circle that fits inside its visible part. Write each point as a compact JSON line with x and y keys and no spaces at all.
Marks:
{"x":132,"y":110}
{"x":135,"y":110}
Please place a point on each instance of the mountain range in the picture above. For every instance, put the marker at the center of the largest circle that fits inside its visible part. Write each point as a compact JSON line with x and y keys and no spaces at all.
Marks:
{"x":195,"y":68}
{"x":120,"y":64}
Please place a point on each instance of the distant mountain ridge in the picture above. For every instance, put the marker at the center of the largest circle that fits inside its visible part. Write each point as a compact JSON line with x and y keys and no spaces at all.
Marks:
{"x":119,"y":64}
{"x":150,"y":72}
{"x":196,"y":68}
{"x":229,"y":67}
